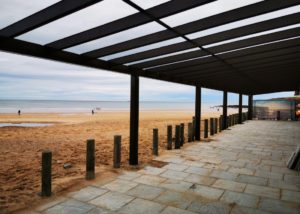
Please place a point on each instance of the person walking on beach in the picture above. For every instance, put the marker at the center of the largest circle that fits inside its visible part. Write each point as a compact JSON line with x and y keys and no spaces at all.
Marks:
{"x":93,"y":111}
{"x":19,"y":112}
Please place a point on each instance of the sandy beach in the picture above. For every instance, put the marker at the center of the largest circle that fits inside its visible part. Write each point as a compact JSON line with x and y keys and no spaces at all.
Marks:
{"x":21,"y":148}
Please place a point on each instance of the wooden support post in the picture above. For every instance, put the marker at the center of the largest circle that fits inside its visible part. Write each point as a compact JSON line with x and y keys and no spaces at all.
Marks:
{"x":225,"y":124}
{"x":90,"y":159}
{"x":46,"y":173}
{"x":117,"y":151}
{"x":211,"y":126}
{"x":169,"y":140}
{"x":177,"y":137}
{"x":181,"y":134}
{"x":155,"y":142}
{"x":216,"y":125}
{"x":206,"y":128}
{"x":190,"y":132}
{"x":134,"y":121}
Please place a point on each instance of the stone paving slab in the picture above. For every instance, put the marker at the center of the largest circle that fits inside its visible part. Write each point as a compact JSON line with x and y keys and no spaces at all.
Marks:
{"x":241,"y":199}
{"x":174,"y":210}
{"x":207,"y":192}
{"x":229,"y":185}
{"x":241,"y":171}
{"x":112,"y":200}
{"x":120,"y":185}
{"x":248,"y":179}
{"x":70,"y":206}
{"x":177,"y":185}
{"x":145,"y":191}
{"x":210,"y":207}
{"x":199,"y":179}
{"x":269,"y":192}
{"x":172,"y":174}
{"x":88,"y":193}
{"x":175,"y":199}
{"x":277,"y":206}
{"x":141,"y":206}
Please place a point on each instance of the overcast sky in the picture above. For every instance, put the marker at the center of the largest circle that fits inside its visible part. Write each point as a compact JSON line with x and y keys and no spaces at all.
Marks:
{"x":24,"y":77}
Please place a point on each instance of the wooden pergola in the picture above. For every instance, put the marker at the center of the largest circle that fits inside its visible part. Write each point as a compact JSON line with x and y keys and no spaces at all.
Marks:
{"x":255,"y":65}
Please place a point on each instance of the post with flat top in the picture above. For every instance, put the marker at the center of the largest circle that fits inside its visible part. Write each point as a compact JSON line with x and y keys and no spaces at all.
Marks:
{"x":169,"y":140}
{"x":90,"y":159}
{"x":250,"y":107}
{"x":216,"y":125}
{"x":240,"y":108}
{"x":46,"y":173}
{"x":211,"y":126}
{"x":224,"y":110}
{"x":181,"y":134}
{"x":134,"y":120}
{"x":190,"y":132}
{"x":177,"y":137}
{"x":117,"y":151}
{"x":206,"y":128}
{"x":155,"y":142}
{"x":220,"y":123}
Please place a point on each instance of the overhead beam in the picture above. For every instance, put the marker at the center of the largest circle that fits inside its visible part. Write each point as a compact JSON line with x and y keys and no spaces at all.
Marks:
{"x":199,"y":25}
{"x":206,"y":40}
{"x":39,"y":51}
{"x":134,"y":20}
{"x":45,"y":16}
{"x":231,"y":46}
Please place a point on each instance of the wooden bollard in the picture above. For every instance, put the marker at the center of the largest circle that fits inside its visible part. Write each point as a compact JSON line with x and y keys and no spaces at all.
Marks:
{"x":46,"y":173}
{"x":220,"y":123}
{"x":177,"y":137}
{"x":206,"y":128}
{"x":216,"y":125}
{"x":169,"y":140}
{"x":90,"y":159}
{"x":117,"y":151}
{"x":181,"y":134}
{"x":155,"y":142}
{"x":190,"y":132}
{"x":194,"y":128}
{"x":211,"y":126}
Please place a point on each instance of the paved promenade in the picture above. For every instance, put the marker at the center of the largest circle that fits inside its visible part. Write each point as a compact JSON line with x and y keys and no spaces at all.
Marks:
{"x":242,"y":170}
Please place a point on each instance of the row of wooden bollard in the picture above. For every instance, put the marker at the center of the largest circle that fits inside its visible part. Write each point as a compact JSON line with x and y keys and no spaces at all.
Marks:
{"x":179,"y":141}
{"x":90,"y":163}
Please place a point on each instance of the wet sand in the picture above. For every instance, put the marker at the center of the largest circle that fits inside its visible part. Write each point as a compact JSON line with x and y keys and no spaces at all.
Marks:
{"x":21,"y":148}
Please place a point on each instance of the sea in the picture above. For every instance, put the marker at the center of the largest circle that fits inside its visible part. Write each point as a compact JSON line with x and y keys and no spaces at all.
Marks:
{"x":61,"y":106}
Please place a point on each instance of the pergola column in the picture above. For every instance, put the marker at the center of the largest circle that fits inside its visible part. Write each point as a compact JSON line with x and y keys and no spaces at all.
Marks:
{"x":197,"y":112}
{"x":134,"y":120}
{"x":224,"y":110}
{"x":250,"y":107}
{"x":240,"y":108}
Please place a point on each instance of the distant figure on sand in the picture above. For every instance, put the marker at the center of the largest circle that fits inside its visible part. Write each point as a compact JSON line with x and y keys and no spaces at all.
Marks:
{"x":93,"y":111}
{"x":19,"y":112}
